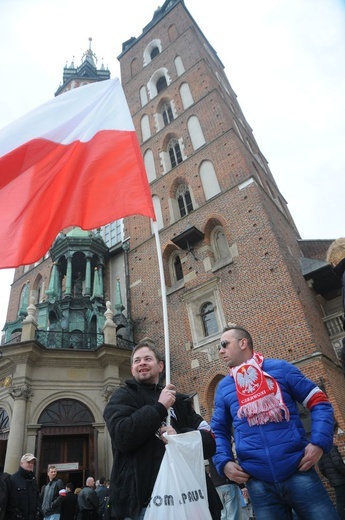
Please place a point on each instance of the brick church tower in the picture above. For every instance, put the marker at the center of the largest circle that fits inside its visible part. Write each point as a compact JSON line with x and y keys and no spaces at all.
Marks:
{"x":231,"y":251}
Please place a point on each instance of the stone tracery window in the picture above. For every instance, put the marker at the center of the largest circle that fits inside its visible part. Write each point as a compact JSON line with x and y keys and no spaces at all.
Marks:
{"x":66,"y":412}
{"x":209,"y":320}
{"x":175,"y":153}
{"x":184,"y":200}
{"x":167,"y":114}
{"x":4,"y":420}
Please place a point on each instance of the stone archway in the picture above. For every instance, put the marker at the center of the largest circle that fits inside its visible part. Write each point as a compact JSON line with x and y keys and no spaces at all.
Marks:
{"x":68,"y":440}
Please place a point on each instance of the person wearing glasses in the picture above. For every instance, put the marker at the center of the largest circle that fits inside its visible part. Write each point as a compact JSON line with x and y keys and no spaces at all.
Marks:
{"x":275,"y":459}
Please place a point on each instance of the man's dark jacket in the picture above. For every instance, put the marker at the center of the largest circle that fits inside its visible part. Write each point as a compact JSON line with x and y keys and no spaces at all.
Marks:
{"x":68,"y":507}
{"x":133,"y":417}
{"x":7,"y":502}
{"x":49,"y":494}
{"x":332,"y":467}
{"x":26,"y":494}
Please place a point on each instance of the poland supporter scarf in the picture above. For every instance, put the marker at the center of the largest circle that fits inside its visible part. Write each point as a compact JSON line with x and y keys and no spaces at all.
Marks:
{"x":258,"y":393}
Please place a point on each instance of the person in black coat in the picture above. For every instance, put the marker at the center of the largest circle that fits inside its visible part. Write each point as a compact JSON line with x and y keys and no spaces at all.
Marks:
{"x":68,"y":507}
{"x":136,"y":419}
{"x":25,"y":490}
{"x":7,"y":502}
{"x":103,"y":493}
{"x":332,"y":467}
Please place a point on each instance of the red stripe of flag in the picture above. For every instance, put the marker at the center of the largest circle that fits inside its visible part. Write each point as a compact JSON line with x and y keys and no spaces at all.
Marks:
{"x":46,"y":186}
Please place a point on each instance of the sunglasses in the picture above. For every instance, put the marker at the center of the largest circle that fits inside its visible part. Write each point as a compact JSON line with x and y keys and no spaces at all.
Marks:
{"x":224,"y":343}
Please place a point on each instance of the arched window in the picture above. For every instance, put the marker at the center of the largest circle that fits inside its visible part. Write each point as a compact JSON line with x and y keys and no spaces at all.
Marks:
{"x":159,"y":80}
{"x":174,"y":151}
{"x":208,"y":317}
{"x":186,"y":96}
{"x":145,"y":127}
{"x":143,"y":96}
{"x":150,"y":165}
{"x":4,"y":419}
{"x":184,"y":200}
{"x":154,"y":52}
{"x":178,"y":271}
{"x":195,"y":132}
{"x":151,"y":51}
{"x":66,"y":412}
{"x":161,"y":84}
{"x":209,"y":180}
{"x":167,"y":114}
{"x":220,"y":244}
{"x":179,"y":65}
{"x":135,"y":67}
{"x":158,"y":212}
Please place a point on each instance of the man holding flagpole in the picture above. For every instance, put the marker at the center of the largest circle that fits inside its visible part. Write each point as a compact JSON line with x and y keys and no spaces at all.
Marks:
{"x":136,"y":417}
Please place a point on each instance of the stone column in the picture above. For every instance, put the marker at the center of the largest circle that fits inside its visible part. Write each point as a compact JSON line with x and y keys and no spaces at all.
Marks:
{"x":15,"y":443}
{"x":68,"y":290}
{"x":100,"y":272}
{"x":88,"y":277}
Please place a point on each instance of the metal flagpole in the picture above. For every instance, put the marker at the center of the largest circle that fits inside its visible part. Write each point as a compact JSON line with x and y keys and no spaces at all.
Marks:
{"x":164,"y":302}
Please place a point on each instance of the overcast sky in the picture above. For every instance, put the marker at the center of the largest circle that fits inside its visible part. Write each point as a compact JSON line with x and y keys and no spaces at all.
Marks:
{"x":285,"y":59}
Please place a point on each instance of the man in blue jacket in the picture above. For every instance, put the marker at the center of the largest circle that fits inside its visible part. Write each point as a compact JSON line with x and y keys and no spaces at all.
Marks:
{"x":257,"y":401}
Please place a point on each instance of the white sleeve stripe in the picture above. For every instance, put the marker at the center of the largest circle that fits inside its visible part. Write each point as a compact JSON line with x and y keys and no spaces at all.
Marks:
{"x":313,"y":392}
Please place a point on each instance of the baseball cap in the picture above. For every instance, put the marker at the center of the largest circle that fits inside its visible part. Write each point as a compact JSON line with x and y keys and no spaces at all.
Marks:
{"x":28,"y":457}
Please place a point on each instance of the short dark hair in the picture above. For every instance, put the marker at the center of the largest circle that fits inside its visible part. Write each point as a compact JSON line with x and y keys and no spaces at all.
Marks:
{"x":149,"y":343}
{"x":101,"y":480}
{"x":242,"y":333}
{"x":70,"y":486}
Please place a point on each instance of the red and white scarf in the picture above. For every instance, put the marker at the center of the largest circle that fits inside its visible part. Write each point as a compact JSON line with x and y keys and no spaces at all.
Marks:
{"x":258,"y":393}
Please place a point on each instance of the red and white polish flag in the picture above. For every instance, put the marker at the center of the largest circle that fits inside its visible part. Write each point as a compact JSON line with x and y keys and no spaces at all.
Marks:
{"x":73,"y":161}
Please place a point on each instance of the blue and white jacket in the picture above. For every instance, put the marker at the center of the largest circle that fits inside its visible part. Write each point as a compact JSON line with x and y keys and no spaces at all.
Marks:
{"x":271,"y":452}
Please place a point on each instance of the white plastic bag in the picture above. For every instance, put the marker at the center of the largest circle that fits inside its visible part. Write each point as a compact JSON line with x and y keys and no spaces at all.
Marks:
{"x":180,"y":491}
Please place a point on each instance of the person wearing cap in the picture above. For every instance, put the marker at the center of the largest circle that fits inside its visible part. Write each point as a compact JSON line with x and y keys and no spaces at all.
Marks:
{"x":25,"y":490}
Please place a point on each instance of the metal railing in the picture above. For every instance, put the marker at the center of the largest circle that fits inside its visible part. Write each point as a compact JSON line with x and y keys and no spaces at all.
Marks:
{"x":71,"y":340}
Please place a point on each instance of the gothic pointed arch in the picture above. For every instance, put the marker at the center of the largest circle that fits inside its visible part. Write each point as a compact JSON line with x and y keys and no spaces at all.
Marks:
{"x":165,"y":114}
{"x":38,"y":289}
{"x":173,"y":269}
{"x":135,"y":67}
{"x":173,"y":32}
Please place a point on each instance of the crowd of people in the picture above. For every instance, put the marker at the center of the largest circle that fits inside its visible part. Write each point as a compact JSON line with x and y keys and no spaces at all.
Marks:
{"x":21,"y":498}
{"x":261,"y":461}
